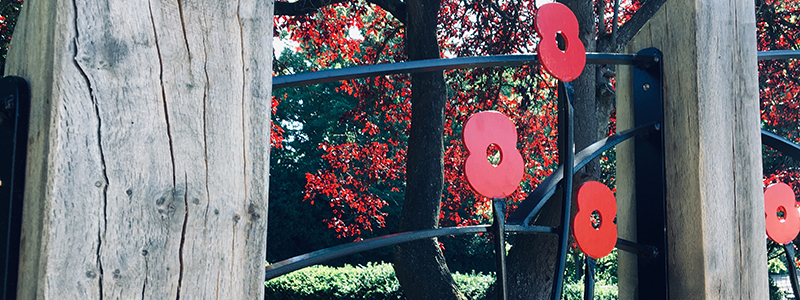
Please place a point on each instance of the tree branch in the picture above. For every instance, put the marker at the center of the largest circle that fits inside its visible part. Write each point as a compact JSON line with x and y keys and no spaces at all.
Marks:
{"x":303,"y":7}
{"x":631,"y":27}
{"x":395,"y":7}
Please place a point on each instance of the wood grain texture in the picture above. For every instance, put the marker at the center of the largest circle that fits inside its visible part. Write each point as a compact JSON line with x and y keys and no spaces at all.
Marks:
{"x":627,"y":263}
{"x":714,"y":192}
{"x":149,"y":153}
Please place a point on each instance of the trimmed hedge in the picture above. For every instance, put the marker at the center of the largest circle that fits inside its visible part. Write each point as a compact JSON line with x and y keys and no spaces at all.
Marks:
{"x":376,"y":281}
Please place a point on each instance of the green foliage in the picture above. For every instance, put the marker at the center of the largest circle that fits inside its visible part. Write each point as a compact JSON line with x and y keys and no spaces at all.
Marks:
{"x":777,"y":266}
{"x":468,"y":253}
{"x":377,"y":281}
{"x":373,"y":281}
{"x":574,"y":291}
{"x":775,"y":292}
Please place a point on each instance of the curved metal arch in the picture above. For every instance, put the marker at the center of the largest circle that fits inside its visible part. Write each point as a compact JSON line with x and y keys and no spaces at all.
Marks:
{"x":430,"y":65}
{"x":304,"y":260}
{"x":472,"y":62}
{"x":781,"y":144}
{"x":531,"y":206}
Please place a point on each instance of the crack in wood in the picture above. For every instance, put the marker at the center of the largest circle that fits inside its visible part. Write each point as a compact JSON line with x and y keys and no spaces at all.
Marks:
{"x":146,"y":271}
{"x":163,"y":95}
{"x":205,"y":125}
{"x":183,"y":233}
{"x":183,"y":27}
{"x":101,"y":230}
{"x":244,"y":83}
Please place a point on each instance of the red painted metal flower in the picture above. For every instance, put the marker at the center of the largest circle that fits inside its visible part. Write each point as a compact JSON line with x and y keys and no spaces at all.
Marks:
{"x":593,"y":226}
{"x":783,"y":219}
{"x":492,"y":130}
{"x":553,"y":20}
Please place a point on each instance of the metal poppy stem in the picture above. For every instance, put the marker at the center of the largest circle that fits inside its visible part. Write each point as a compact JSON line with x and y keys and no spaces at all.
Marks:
{"x":565,"y":99}
{"x":588,"y":280}
{"x":792,"y":268}
{"x":498,"y":230}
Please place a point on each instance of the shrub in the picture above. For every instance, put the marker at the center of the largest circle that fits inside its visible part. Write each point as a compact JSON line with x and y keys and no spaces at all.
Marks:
{"x":377,"y":281}
{"x":374,"y":281}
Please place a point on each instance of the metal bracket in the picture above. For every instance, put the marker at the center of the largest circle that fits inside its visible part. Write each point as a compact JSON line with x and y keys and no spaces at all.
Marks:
{"x":650,"y":177}
{"x":14,"y":119}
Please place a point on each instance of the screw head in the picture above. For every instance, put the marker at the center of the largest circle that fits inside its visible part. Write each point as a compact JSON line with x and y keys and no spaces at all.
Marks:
{"x":646,"y":86}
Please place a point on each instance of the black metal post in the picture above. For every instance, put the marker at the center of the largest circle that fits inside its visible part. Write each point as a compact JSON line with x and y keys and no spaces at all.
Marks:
{"x":565,"y":107}
{"x":14,"y":117}
{"x":588,"y":280}
{"x":499,"y":232}
{"x":792,"y":268}
{"x":650,"y":178}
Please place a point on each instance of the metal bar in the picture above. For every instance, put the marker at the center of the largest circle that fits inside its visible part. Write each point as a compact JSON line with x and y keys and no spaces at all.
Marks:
{"x":531,"y":229}
{"x":320,"y":256}
{"x":498,"y":230}
{"x":588,"y":280}
{"x":649,"y":179}
{"x":781,"y":144}
{"x":301,"y":261}
{"x":532,"y":204}
{"x":431,"y":65}
{"x":792,"y":268}
{"x":469,"y":63}
{"x":14,"y":120}
{"x":565,"y":102}
{"x":778,"y":54}
{"x":636,"y":248}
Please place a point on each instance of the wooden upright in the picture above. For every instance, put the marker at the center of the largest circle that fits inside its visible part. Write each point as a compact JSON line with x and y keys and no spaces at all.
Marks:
{"x":715,"y":206}
{"x":149,"y":148}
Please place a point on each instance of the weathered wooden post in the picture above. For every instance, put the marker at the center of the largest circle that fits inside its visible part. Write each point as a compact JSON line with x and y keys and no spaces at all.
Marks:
{"x":715,"y":208}
{"x":149,"y":148}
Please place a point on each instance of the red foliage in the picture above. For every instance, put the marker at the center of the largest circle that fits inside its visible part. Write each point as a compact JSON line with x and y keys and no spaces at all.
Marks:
{"x":276,"y":132}
{"x":779,"y":84}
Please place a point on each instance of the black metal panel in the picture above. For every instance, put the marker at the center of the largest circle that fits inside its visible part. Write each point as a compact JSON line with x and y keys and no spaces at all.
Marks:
{"x":650,"y":178}
{"x":14,"y":117}
{"x":431,"y":65}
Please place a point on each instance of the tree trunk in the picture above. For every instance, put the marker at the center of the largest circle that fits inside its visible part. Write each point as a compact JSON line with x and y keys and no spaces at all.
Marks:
{"x":149,"y":148}
{"x":420,"y":266}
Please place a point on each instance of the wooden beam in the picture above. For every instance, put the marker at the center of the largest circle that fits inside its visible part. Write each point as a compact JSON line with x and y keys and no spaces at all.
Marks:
{"x":149,"y":148}
{"x":714,"y":192}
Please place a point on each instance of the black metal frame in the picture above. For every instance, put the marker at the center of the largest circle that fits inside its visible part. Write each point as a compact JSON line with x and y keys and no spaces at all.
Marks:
{"x":14,"y":120}
{"x":651,"y":249}
{"x":646,"y":62}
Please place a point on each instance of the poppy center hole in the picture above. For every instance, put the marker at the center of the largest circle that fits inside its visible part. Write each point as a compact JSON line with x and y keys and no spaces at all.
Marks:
{"x":781,"y":213}
{"x":494,"y":155}
{"x":561,"y":42}
{"x":596,"y":220}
